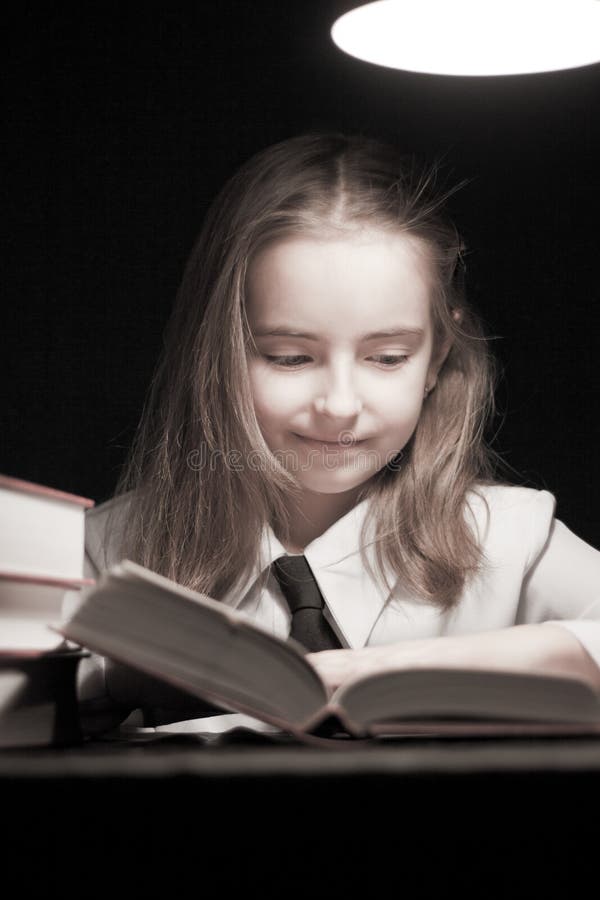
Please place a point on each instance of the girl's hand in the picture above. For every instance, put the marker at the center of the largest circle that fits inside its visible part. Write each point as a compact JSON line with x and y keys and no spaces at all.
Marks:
{"x":337,"y":666}
{"x":544,"y":649}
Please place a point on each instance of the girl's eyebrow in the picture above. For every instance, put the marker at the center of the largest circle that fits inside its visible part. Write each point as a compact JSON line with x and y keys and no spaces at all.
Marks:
{"x":287,"y":331}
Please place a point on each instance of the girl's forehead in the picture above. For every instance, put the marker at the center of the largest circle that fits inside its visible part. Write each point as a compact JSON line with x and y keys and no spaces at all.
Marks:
{"x":345,"y":238}
{"x":371,"y":274}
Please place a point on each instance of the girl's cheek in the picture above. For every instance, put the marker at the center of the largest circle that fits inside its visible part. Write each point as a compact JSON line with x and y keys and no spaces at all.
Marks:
{"x":271,"y":403}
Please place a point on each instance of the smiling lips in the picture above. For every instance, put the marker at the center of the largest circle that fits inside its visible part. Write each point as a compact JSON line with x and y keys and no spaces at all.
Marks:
{"x":337,"y":445}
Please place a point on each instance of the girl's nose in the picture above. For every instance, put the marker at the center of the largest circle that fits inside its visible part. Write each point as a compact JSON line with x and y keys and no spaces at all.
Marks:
{"x":339,"y":398}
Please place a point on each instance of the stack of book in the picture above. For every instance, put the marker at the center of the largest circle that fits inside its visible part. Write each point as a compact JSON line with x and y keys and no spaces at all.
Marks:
{"x":41,"y":558}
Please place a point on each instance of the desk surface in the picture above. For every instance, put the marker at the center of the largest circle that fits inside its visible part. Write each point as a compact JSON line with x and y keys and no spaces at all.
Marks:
{"x":249,"y":757}
{"x":436,"y":818}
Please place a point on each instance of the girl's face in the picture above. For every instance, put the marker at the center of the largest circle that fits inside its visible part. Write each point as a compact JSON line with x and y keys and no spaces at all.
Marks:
{"x":345,"y":351}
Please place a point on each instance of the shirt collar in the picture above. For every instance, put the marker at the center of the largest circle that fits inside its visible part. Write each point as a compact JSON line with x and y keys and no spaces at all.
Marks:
{"x":354,"y":599}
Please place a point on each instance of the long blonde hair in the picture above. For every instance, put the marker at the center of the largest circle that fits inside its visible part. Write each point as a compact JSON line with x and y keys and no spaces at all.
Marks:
{"x":201,"y":525}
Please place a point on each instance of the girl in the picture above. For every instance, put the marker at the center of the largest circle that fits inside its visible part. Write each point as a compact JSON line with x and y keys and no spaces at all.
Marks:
{"x":323,"y":390}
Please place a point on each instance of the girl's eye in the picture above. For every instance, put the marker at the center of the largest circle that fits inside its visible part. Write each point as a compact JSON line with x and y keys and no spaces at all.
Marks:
{"x":385,"y":359}
{"x":389,"y":359}
{"x":286,"y":361}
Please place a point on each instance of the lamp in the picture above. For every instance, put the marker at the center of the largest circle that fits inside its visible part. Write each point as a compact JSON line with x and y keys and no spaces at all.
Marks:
{"x":473,"y":37}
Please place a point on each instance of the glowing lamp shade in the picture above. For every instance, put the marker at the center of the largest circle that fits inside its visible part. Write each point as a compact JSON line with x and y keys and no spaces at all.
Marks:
{"x":473,"y":37}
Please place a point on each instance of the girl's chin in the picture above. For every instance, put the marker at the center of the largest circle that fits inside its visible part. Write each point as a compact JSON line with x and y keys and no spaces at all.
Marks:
{"x":328,"y":483}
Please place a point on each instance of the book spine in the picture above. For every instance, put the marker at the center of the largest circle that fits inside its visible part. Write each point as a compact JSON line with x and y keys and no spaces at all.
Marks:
{"x":334,"y":713}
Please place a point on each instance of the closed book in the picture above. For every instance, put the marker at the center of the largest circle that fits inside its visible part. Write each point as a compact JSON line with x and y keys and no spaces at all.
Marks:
{"x":29,"y":605}
{"x":41,"y":530}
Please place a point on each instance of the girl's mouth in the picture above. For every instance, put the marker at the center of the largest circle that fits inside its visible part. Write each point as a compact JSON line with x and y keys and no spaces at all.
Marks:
{"x":319,"y":444}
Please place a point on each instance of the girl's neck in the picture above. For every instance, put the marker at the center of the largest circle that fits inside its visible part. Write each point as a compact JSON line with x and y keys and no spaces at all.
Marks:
{"x":314,"y":513}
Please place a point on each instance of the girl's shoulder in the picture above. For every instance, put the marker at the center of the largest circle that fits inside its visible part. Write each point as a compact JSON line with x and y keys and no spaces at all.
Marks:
{"x":499,"y":497}
{"x":104,"y":525}
{"x":506,"y":515}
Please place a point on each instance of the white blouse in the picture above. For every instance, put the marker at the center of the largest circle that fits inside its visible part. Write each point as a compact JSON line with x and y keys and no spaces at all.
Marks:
{"x":536,"y":570}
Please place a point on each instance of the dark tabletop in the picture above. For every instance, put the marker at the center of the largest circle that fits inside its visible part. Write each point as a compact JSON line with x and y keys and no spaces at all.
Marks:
{"x":245,"y":755}
{"x":264,"y":815}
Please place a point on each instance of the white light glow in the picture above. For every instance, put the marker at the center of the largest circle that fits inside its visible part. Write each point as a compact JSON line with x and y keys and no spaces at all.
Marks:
{"x":473,"y":37}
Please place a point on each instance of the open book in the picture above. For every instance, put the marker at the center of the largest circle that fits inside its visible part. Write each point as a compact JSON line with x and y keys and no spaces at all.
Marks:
{"x":207,"y":649}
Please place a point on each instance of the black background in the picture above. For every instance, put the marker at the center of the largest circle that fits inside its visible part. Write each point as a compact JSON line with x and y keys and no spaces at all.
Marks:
{"x":125,"y":119}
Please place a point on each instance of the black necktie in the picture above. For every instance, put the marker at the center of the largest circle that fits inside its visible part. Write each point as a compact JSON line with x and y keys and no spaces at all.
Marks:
{"x":305,"y":601}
